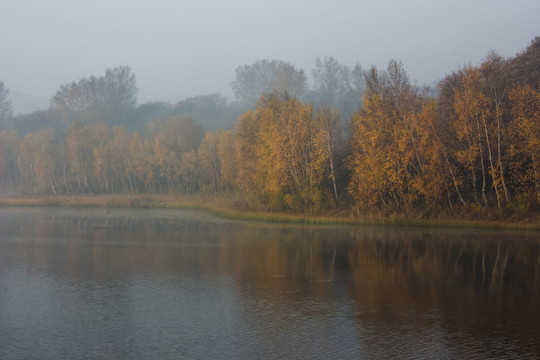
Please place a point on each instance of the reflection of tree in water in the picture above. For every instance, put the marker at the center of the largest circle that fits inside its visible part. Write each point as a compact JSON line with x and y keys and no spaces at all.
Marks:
{"x":469,"y":282}
{"x":477,"y":283}
{"x":490,"y":261}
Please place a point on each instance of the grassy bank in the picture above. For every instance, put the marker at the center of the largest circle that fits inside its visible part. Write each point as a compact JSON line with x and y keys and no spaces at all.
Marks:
{"x":231,"y":207}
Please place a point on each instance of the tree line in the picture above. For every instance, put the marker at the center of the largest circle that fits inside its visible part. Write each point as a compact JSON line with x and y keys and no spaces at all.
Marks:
{"x":471,"y":146}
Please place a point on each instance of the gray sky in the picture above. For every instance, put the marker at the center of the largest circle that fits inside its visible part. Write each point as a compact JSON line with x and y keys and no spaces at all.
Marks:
{"x":184,"y":48}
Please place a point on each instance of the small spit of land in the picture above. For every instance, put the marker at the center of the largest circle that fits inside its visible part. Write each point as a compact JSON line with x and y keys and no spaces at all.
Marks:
{"x":230,"y":206}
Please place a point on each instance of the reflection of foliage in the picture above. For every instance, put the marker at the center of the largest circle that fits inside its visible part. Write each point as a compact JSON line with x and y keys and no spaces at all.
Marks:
{"x":465,"y":276}
{"x":413,"y":260}
{"x":461,"y":278}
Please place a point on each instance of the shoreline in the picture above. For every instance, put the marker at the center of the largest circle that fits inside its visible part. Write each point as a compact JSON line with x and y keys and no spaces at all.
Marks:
{"x":220,"y":206}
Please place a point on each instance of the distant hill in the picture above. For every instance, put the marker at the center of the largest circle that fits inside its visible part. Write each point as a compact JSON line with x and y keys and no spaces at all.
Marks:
{"x":26,"y":104}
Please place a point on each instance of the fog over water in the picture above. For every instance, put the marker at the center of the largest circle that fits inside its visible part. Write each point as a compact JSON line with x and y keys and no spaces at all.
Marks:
{"x":179,"y":49}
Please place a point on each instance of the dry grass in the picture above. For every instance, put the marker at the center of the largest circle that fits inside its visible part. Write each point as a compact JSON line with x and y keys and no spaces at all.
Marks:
{"x":230,"y":206}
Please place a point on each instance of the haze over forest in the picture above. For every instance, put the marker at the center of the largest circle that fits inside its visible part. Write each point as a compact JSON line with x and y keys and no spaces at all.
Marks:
{"x":333,"y":136}
{"x":184,"y":49}
{"x":367,"y":141}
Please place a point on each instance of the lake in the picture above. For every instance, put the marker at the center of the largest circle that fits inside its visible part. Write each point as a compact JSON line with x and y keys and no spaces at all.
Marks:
{"x":173,"y":284}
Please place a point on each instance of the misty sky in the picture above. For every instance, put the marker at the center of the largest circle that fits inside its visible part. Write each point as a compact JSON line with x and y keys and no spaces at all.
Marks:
{"x":184,"y":48}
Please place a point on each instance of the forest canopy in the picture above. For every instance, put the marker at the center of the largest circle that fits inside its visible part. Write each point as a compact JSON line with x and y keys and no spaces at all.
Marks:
{"x":370,"y":141}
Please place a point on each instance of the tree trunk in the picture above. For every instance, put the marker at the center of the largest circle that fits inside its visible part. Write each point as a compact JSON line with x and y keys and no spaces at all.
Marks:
{"x":454,"y":180}
{"x":492,"y":167}
{"x":503,"y":182}
{"x":483,"y":167}
{"x":332,"y":171}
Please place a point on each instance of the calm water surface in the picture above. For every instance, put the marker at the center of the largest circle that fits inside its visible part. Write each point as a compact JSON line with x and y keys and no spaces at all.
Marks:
{"x":156,"y":284}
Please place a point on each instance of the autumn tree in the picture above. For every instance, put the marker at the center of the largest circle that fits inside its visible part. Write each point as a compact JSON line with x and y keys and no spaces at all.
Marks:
{"x":524,"y":68}
{"x":395,"y":159}
{"x":473,"y":149}
{"x":26,"y":162}
{"x":336,"y":85}
{"x":491,"y":112}
{"x":172,"y":138}
{"x":41,"y":163}
{"x":283,"y":153}
{"x":208,"y":110}
{"x":79,"y":101}
{"x":190,"y":174}
{"x":145,"y":113}
{"x":5,"y":104}
{"x":496,"y":85}
{"x":121,"y":91}
{"x":265,"y":76}
{"x":9,"y":152}
{"x":142,"y":169}
{"x":111,"y":160}
{"x":108,"y":99}
{"x":374,"y":176}
{"x":292,"y":143}
{"x":209,"y":161}
{"x":524,"y":154}
{"x":246,"y":134}
{"x":479,"y":118}
{"x":80,"y":144}
{"x":469,"y":103}
{"x":227,"y":153}
{"x":328,"y":139}
{"x":179,"y":133}
{"x":103,"y":161}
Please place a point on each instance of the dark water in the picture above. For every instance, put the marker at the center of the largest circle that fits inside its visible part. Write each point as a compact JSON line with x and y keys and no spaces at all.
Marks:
{"x":151,"y":284}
